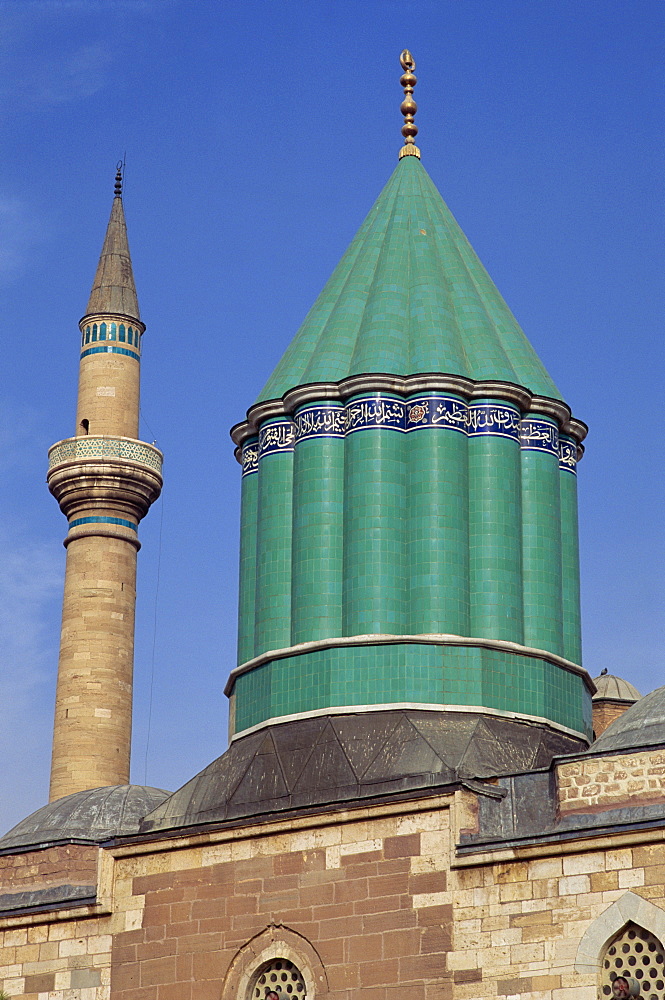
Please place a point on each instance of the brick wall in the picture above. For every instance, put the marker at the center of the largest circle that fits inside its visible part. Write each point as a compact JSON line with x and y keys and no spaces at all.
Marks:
{"x":72,"y":864}
{"x":366,"y":896}
{"x":605,"y":712}
{"x":62,"y":960}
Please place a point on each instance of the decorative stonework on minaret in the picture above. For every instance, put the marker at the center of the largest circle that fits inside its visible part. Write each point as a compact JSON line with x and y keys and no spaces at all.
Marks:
{"x":105,"y":481}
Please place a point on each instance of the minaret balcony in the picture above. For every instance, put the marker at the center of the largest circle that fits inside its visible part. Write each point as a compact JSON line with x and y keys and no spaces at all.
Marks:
{"x":103,"y":479}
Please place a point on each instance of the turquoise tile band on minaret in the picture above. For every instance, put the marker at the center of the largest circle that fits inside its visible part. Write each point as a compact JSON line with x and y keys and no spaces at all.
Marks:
{"x":103,"y":520}
{"x":109,"y":349}
{"x":407,"y":474}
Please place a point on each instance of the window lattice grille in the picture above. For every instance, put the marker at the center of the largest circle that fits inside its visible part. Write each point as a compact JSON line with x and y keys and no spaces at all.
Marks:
{"x":635,"y":953}
{"x":281,"y":976}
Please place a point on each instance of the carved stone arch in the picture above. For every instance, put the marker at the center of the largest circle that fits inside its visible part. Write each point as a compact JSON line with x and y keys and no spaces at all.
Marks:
{"x":630,"y":907}
{"x":276,"y":941}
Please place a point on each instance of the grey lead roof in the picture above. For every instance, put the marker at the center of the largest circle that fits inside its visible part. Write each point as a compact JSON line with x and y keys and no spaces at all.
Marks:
{"x":93,"y":816}
{"x":615,"y":688}
{"x":113,"y":290}
{"x":338,"y":759}
{"x":642,"y":725}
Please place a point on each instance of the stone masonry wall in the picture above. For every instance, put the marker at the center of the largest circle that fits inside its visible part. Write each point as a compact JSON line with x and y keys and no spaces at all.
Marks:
{"x":59,"y":960}
{"x":611,"y":782}
{"x":383,"y":905}
{"x":371,"y":904}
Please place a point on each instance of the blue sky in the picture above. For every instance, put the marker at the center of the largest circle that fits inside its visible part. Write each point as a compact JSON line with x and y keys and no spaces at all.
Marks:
{"x":257,"y":136}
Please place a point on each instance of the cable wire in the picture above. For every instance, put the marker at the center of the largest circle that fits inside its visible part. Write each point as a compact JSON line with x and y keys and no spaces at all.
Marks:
{"x":154,"y":642}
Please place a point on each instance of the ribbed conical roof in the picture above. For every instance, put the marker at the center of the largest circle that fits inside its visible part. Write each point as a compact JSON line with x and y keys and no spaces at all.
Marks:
{"x":615,"y":689}
{"x":113,"y":290}
{"x":410,"y":296}
{"x":93,"y":814}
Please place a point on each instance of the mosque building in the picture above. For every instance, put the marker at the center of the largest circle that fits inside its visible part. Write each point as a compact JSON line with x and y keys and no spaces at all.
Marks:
{"x":425,"y":793}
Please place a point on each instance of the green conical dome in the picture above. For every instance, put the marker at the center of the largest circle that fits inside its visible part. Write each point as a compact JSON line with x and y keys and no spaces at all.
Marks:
{"x":410,"y":296}
{"x":409,"y":506}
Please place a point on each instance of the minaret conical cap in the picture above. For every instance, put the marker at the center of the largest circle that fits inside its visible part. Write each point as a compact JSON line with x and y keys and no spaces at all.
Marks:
{"x":113,"y":290}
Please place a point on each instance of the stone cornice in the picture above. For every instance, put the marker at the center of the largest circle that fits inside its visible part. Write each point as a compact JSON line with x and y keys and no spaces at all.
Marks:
{"x":104,"y":317}
{"x":527,"y":402}
{"x":414,"y":706}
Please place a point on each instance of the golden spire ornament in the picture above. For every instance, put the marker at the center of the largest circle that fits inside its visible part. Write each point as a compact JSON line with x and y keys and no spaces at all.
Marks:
{"x":408,"y":106}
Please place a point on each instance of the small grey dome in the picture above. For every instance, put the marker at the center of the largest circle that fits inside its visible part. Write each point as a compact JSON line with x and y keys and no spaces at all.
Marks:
{"x":641,"y":725}
{"x":91,"y":816}
{"x":615,"y":689}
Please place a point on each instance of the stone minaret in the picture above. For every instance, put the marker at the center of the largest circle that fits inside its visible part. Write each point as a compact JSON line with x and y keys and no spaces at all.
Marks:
{"x":104,"y":480}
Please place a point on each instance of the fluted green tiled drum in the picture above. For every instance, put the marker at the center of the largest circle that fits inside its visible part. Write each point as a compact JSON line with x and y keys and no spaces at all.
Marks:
{"x":409,"y":518}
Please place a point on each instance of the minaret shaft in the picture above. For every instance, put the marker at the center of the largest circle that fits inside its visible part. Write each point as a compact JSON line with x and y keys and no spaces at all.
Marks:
{"x":93,"y":720}
{"x":105,"y":481}
{"x":108,"y":392}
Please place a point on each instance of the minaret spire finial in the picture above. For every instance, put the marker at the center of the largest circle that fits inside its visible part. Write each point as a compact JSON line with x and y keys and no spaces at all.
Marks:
{"x":408,"y":106}
{"x":119,"y":167}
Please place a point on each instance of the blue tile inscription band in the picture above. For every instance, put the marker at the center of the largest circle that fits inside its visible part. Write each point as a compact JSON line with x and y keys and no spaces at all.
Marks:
{"x":491,"y":418}
{"x":378,"y":412}
{"x":568,"y":455}
{"x":276,"y":438}
{"x":328,"y":420}
{"x":539,"y":435}
{"x":250,"y":458}
{"x":332,"y":420}
{"x":437,"y":411}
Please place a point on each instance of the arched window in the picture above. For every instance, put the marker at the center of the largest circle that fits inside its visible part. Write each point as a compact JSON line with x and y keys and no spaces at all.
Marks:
{"x":637,"y":956}
{"x":277,"y":961}
{"x":278,"y":976}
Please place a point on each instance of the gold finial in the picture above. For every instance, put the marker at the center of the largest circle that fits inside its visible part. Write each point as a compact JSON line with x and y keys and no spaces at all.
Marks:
{"x":408,"y":106}
{"x":117,"y":190}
